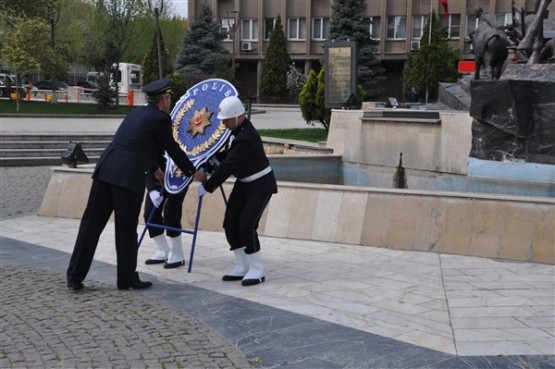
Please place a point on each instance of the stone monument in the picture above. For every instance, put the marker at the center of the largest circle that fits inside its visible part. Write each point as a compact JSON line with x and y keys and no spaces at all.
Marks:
{"x":513,"y":104}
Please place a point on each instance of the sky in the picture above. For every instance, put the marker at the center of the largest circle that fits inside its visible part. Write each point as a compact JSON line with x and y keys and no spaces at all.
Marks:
{"x":180,"y":7}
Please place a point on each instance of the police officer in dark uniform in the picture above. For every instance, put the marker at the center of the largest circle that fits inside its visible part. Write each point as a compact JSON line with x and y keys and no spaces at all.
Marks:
{"x":169,"y":210}
{"x":119,"y":183}
{"x":246,"y":160}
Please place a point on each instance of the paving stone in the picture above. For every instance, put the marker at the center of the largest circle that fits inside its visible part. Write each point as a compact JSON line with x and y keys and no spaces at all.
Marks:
{"x":31,"y":336}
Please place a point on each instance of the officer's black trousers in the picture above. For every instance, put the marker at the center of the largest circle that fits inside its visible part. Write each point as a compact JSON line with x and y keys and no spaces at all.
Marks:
{"x":168,"y":213}
{"x":242,"y":215}
{"x":104,"y":199}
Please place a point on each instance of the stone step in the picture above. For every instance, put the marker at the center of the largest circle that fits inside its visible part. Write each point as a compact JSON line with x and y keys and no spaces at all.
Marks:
{"x":37,"y":152}
{"x":44,"y":145}
{"x":46,"y":149}
{"x":35,"y":161}
{"x":55,"y":137}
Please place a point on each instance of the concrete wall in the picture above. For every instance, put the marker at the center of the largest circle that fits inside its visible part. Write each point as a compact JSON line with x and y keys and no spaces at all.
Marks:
{"x":426,"y":145}
{"x":507,"y":227}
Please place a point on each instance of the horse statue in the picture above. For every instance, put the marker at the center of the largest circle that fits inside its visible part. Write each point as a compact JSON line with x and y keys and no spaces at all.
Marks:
{"x":490,"y":46}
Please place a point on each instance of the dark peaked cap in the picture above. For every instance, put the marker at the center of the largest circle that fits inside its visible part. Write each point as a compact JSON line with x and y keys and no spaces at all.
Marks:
{"x":158,"y":87}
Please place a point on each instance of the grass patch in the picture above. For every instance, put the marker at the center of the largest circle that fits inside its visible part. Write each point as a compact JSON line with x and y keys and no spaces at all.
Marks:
{"x":301,"y":134}
{"x":41,"y":107}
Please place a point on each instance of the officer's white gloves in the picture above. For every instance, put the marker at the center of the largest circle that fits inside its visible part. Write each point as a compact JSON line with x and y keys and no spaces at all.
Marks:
{"x":201,"y":191}
{"x":156,"y":198}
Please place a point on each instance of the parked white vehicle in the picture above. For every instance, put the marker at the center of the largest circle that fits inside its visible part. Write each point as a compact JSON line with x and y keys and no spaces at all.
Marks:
{"x":129,"y":77}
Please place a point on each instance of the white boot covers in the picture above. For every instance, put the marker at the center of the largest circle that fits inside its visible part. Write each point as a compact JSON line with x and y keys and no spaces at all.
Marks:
{"x":175,"y":258}
{"x":255,"y":275}
{"x":161,"y":254}
{"x":241,"y":267}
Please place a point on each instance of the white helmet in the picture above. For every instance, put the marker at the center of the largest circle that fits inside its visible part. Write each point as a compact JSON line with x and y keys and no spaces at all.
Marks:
{"x":230,"y":107}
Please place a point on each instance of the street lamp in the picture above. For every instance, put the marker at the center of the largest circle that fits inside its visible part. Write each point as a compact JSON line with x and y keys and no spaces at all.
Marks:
{"x":232,"y":30}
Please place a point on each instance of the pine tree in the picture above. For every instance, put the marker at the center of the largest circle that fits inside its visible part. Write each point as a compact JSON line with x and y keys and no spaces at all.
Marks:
{"x":433,"y":62}
{"x":273,"y":81}
{"x":307,"y":97}
{"x":324,"y":114}
{"x":347,"y":24}
{"x":311,"y":100}
{"x":201,"y":48}
{"x":150,"y":61}
{"x":179,"y":88}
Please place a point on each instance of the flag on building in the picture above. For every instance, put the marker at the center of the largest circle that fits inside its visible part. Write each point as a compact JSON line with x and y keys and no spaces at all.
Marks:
{"x":445,"y":8}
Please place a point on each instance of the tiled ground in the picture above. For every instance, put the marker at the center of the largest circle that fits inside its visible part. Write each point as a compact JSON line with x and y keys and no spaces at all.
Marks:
{"x":457,"y":305}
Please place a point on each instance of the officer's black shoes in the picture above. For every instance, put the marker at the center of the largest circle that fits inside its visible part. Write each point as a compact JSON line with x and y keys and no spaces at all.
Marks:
{"x":228,"y":278}
{"x":154,"y":261}
{"x":75,"y":286}
{"x":252,"y":282}
{"x":177,"y":264}
{"x":245,"y":282}
{"x":136,"y":285}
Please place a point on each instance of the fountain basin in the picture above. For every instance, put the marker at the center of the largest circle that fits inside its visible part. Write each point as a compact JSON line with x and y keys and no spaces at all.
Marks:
{"x":529,"y":179}
{"x":503,"y":219}
{"x":484,"y":225}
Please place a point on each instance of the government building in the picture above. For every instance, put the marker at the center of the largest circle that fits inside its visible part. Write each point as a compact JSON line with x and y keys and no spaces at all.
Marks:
{"x":397,"y":25}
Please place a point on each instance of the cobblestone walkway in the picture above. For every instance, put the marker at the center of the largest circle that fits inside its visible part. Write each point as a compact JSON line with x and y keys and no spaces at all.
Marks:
{"x":44,"y":325}
{"x":22,"y":190}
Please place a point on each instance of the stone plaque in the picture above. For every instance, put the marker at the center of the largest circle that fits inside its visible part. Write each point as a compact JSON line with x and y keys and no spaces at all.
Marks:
{"x":341,"y":72}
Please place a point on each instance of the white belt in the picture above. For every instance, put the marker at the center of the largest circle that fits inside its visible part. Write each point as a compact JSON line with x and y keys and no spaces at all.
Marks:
{"x":255,"y":176}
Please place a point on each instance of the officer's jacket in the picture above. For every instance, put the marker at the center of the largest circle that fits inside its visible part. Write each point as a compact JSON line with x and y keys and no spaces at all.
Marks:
{"x":135,"y":149}
{"x":245,"y":157}
{"x":151,"y":182}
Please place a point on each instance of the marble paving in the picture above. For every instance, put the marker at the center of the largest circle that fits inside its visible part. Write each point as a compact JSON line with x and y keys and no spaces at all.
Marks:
{"x":453,"y":304}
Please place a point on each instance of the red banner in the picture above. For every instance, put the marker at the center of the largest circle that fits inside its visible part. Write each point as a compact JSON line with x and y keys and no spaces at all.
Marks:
{"x":467,"y":66}
{"x":445,"y":8}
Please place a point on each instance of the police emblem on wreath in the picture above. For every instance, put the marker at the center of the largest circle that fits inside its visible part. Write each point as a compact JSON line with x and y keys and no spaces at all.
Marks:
{"x":196,"y":129}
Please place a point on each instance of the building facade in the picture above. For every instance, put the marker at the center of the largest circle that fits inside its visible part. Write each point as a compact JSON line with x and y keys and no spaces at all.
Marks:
{"x":396,"y":24}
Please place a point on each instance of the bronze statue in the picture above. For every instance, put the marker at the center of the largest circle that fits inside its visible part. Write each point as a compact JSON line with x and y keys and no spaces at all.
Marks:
{"x":490,"y":46}
{"x":525,"y":36}
{"x":533,"y":43}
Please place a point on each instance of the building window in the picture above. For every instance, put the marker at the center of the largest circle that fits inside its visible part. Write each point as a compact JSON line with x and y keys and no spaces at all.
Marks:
{"x":503,"y":19}
{"x":418,"y":23}
{"x":296,"y":29}
{"x":249,"y":30}
{"x":373,"y":24}
{"x":454,"y":26}
{"x":396,"y":27}
{"x":227,"y":27}
{"x":320,"y":28}
{"x":269,"y":24}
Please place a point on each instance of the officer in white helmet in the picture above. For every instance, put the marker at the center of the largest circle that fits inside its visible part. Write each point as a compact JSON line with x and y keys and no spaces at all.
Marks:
{"x":246,"y":160}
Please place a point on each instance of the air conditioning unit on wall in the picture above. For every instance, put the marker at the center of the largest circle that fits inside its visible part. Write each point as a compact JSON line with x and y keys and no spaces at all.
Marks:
{"x":414,"y":45}
{"x":246,"y":46}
